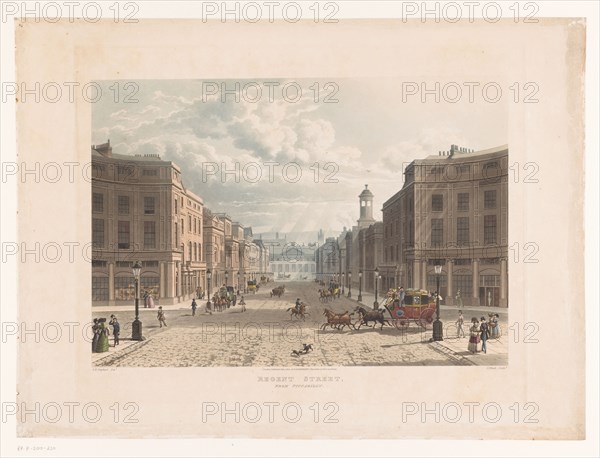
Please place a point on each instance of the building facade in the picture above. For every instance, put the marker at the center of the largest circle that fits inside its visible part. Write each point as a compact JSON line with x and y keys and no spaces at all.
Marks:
{"x":452,"y":211}
{"x":141,"y":211}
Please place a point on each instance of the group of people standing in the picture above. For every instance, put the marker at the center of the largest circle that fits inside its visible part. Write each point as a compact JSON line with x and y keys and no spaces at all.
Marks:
{"x":100,"y":342}
{"x":148,"y":300}
{"x":480,"y":331}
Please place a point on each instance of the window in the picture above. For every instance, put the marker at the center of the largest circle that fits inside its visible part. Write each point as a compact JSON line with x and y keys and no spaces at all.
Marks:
{"x":489,"y":280}
{"x":489,"y":229}
{"x":489,"y":199}
{"x":464,"y":168}
{"x":436,"y":262}
{"x":123,"y":205}
{"x":149,"y":235}
{"x":124,"y":264}
{"x":176,"y":205}
{"x":99,"y":288}
{"x":462,"y":230}
{"x":97,"y":202}
{"x":199,"y":252}
{"x":464,"y":283}
{"x":189,"y":224}
{"x":463,"y":201}
{"x":127,"y":170}
{"x":490,"y":261}
{"x":148,"y":205}
{"x":124,"y":288}
{"x":123,"y":235}
{"x":462,"y":262}
{"x":182,"y":228}
{"x":195,"y":251}
{"x":150,"y":172}
{"x":437,"y":202}
{"x":97,"y":263}
{"x":195,"y":222}
{"x":176,"y":235}
{"x":190,"y":251}
{"x":437,"y":231}
{"x":150,"y":284}
{"x":432,"y":283}
{"x":98,"y":233}
{"x":149,"y":263}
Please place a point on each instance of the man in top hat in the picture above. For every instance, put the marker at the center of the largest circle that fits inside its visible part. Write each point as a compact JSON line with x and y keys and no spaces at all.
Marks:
{"x":483,"y":327}
{"x":116,"y":329}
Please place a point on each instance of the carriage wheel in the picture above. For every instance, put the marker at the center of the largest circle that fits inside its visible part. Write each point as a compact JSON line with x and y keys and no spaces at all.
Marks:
{"x":426,"y":318}
{"x":401,"y":323}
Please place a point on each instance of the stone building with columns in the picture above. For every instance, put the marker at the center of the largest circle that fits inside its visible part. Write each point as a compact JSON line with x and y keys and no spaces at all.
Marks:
{"x":141,"y":211}
{"x":451,"y":211}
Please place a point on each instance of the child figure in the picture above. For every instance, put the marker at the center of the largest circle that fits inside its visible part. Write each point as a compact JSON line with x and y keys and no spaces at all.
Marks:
{"x":243,"y":304}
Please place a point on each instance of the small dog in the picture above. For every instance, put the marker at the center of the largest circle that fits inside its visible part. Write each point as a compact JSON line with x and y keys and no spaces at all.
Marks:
{"x":304,"y":351}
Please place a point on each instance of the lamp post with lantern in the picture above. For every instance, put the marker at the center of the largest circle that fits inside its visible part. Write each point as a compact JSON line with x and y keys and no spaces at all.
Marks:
{"x":208,"y":279}
{"x":376,"y":304}
{"x":437,"y":324}
{"x":360,"y":286}
{"x":136,"y":326}
{"x":349,"y":284}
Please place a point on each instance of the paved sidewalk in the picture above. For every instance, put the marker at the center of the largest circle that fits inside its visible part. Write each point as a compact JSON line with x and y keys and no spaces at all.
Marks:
{"x":497,"y":351}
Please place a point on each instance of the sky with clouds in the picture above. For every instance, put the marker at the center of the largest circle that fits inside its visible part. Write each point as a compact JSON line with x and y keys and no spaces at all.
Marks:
{"x":328,"y":137}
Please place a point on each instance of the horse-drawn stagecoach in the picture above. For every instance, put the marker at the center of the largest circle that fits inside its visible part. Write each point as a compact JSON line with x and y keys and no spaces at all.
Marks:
{"x":417,"y":306}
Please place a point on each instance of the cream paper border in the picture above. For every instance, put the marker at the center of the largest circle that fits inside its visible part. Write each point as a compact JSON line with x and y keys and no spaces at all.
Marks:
{"x":549,"y":373}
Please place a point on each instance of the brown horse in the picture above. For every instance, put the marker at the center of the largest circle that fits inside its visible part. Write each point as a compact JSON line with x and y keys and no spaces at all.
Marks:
{"x":278,"y":291}
{"x":373,"y":315}
{"x":338,"y":320}
{"x":295,"y":313}
{"x":325,"y":295}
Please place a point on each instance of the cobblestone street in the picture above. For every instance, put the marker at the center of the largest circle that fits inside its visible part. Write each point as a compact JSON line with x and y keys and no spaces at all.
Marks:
{"x":265,"y":335}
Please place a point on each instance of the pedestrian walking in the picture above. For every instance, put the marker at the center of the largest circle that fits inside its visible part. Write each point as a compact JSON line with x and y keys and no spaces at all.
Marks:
{"x":145,"y":299}
{"x":401,"y":295}
{"x":243,"y":304}
{"x":161,"y":317}
{"x":116,"y":329}
{"x":484,"y":329}
{"x":459,"y":301}
{"x":150,"y":301}
{"x":459,"y":325}
{"x":473,"y":336}
{"x":194,"y":305}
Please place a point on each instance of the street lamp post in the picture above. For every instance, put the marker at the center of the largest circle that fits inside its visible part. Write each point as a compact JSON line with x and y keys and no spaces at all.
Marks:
{"x":349,"y":284}
{"x":238,"y":283}
{"x":208,"y":278}
{"x":396,"y":277}
{"x":226,"y":277}
{"x":437,"y":324}
{"x":360,"y":286}
{"x":136,"y":326}
{"x":376,"y":304}
{"x":343,"y":281}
